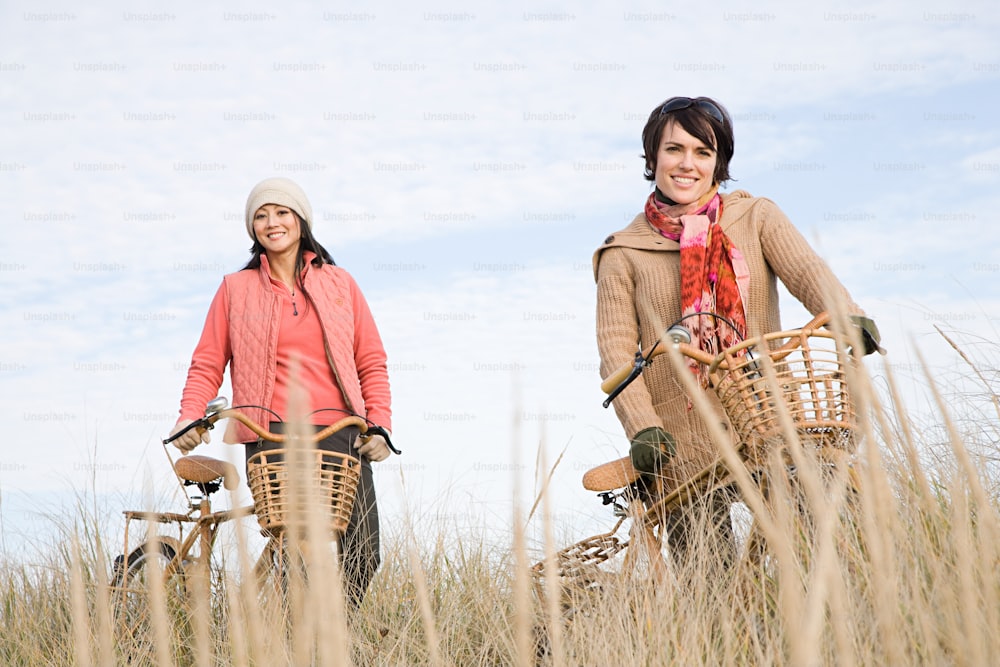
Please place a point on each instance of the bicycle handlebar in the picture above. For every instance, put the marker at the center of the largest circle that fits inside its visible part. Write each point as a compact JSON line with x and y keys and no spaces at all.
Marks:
{"x":642,"y":360}
{"x":617,"y":381}
{"x":221,"y":412}
{"x":780,"y":353}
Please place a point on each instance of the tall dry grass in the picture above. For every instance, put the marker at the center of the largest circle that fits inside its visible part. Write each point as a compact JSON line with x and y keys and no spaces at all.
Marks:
{"x":898,"y":567}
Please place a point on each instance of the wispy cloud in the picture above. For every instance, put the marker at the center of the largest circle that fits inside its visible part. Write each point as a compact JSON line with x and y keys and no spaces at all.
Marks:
{"x":463,"y":163}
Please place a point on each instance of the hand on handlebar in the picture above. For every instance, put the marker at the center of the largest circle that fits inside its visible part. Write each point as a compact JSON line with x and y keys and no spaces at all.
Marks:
{"x":194,"y":436}
{"x":374,"y":448}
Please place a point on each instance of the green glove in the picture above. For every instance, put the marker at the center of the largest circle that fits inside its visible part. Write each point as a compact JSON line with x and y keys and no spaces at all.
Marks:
{"x":869,"y":333}
{"x":651,"y":448}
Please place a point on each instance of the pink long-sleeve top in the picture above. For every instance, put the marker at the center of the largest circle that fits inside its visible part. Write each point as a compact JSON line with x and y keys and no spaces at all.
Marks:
{"x":347,"y":375}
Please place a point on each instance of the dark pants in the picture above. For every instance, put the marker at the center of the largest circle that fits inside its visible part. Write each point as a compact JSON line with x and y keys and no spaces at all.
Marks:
{"x":359,"y":546}
{"x":709,"y":512}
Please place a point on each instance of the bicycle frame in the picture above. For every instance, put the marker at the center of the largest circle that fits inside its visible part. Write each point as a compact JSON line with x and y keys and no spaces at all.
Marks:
{"x":197,"y":529}
{"x":733,"y":467}
{"x":203,"y":532}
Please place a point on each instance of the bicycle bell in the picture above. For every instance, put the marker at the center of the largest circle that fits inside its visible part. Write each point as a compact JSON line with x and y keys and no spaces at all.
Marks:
{"x":217,"y":404}
{"x":678,"y":334}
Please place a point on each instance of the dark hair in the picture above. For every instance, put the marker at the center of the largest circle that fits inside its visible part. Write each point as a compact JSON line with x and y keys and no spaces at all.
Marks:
{"x":699,"y":124}
{"x":307,"y":242}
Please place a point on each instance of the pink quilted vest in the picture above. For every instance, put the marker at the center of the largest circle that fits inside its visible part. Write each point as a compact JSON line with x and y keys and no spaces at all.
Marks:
{"x":253,"y":303}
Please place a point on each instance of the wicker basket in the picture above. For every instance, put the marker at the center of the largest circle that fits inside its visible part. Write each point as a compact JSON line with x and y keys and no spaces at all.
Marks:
{"x":804,"y":371}
{"x":282,"y":495}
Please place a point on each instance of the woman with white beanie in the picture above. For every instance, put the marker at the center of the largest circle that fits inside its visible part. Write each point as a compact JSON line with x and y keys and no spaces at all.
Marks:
{"x":292,"y":307}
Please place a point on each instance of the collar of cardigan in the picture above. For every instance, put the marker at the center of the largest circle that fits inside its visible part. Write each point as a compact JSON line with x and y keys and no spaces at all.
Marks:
{"x":640,"y":235}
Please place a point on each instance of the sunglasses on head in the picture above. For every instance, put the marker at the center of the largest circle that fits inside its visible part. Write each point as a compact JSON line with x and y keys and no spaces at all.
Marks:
{"x":679,"y":103}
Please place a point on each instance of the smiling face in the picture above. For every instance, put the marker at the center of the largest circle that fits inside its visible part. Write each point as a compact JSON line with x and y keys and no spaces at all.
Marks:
{"x":277,"y":229}
{"x":685,"y":167}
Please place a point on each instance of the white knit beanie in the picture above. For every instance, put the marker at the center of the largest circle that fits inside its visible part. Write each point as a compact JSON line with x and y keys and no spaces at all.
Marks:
{"x":281,"y":191}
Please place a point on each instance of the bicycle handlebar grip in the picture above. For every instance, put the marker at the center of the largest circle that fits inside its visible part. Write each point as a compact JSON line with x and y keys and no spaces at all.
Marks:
{"x":197,"y":424}
{"x":616,"y":378}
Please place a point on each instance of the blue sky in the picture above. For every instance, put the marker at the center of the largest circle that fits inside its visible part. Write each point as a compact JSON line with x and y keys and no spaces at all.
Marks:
{"x":463,"y":162}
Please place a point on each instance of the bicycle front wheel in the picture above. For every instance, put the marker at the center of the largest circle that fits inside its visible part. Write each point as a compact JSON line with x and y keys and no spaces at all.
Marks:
{"x":127,"y":570}
{"x":148,"y":572}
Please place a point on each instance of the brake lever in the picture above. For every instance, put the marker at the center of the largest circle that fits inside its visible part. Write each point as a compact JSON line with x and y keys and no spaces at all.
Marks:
{"x":639,"y":365}
{"x":378,"y":430}
{"x":202,"y":423}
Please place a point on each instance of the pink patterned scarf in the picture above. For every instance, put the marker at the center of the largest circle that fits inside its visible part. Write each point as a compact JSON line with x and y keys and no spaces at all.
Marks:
{"x":715,"y":277}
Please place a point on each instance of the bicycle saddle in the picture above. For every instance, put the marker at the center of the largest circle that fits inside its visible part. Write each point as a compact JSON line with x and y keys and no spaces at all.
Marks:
{"x":610,"y":476}
{"x":204,"y":469}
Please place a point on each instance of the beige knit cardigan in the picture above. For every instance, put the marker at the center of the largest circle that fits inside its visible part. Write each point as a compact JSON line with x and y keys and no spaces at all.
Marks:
{"x":638,"y":296}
